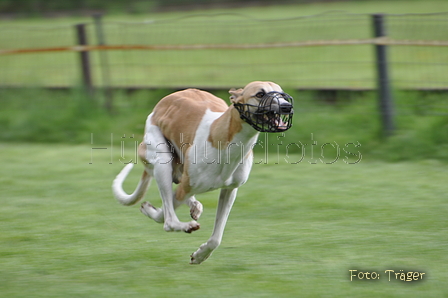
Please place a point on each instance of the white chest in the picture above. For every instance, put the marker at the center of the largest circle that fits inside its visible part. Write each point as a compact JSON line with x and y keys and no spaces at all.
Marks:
{"x":225,"y":166}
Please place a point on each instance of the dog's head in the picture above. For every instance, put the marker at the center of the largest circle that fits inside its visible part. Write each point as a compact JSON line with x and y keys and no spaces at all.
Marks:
{"x":264,"y":106}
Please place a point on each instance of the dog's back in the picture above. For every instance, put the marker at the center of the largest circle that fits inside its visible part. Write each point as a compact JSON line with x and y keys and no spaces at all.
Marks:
{"x":178,"y":115}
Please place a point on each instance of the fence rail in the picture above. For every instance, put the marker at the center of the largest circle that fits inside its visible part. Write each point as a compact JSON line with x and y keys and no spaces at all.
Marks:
{"x":314,"y":43}
{"x":328,"y":51}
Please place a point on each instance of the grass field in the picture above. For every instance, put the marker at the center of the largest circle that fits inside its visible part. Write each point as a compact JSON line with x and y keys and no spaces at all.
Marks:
{"x":295,"y":231}
{"x":305,"y":67}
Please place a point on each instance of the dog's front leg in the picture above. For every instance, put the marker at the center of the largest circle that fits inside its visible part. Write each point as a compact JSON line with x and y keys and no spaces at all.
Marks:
{"x":226,"y":200}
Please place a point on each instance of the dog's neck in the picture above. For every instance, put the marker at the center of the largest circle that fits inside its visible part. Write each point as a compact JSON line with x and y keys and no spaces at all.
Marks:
{"x":230,"y":128}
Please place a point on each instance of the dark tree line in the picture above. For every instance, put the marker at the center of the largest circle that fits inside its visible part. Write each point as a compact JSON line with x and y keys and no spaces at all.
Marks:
{"x":127,"y":6}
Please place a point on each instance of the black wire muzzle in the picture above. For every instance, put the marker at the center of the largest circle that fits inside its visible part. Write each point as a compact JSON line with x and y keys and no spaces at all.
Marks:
{"x":273,"y":113}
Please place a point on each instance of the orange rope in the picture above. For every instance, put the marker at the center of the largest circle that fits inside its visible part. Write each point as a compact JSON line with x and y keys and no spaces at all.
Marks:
{"x":310,"y":43}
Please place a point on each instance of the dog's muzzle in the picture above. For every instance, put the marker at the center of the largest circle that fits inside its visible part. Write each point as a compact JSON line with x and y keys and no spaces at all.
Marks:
{"x":273,"y":113}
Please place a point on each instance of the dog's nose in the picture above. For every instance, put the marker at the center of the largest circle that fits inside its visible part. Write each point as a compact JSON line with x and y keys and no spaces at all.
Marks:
{"x":286,"y":108}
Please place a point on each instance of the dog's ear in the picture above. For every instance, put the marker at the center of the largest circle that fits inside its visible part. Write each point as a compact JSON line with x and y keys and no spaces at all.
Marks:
{"x":235,"y":94}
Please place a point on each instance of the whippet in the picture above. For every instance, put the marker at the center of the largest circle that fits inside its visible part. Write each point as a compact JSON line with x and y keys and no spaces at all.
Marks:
{"x":194,"y":139}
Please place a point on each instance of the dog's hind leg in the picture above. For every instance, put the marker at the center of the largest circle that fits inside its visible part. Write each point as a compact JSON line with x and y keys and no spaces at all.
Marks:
{"x":163,"y":176}
{"x":159,"y":155}
{"x":156,"y":214}
{"x":152,"y":212}
{"x":179,"y":198}
{"x":226,"y":200}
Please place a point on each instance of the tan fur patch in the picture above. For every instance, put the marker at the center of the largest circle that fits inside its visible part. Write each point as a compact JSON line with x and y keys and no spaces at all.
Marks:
{"x":178,"y":115}
{"x":184,"y":186}
{"x":225,"y":128}
{"x":142,"y":152}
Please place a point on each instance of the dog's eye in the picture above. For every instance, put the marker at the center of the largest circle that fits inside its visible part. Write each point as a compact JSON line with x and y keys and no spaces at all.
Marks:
{"x":260,"y":94}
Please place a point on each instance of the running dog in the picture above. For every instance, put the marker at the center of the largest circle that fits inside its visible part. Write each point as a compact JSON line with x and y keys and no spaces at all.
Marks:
{"x":194,"y":139}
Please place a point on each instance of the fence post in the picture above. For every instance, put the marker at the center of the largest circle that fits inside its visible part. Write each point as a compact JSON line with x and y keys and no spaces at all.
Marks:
{"x":104,"y":62}
{"x":84,"y":55}
{"x":383,"y":81}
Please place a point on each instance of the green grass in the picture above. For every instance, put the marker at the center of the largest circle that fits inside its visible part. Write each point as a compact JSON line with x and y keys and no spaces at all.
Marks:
{"x":306,"y":67}
{"x":295,"y":230}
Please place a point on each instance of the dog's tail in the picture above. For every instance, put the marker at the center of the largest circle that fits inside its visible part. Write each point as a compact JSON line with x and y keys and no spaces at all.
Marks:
{"x":139,"y":192}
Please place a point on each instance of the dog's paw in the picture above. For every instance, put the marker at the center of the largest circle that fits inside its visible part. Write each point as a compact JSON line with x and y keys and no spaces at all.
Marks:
{"x":201,"y":254}
{"x":187,"y":227}
{"x":196,"y":210}
{"x":192,"y":226}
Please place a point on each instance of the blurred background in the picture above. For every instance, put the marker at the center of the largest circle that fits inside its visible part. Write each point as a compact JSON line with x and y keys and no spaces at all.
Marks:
{"x":135,"y":52}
